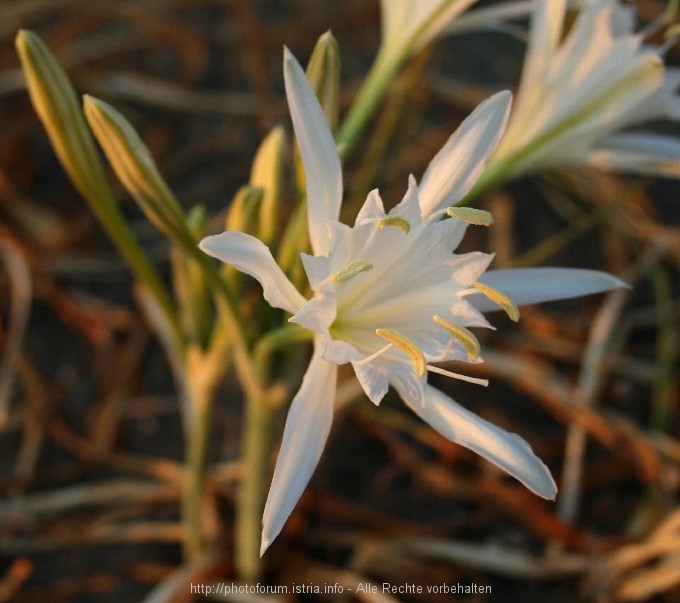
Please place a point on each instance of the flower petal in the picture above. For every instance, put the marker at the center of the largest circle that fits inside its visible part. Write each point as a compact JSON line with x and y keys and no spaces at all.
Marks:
{"x":458,"y":165}
{"x":304,"y":437}
{"x":639,"y":153}
{"x":489,"y":17}
{"x":323,"y":174}
{"x":409,"y":206}
{"x":535,"y":285}
{"x":318,"y":313}
{"x":372,"y":209}
{"x":545,"y":35}
{"x":373,"y":381}
{"x":250,"y":255}
{"x":504,"y":449}
{"x":408,"y":25}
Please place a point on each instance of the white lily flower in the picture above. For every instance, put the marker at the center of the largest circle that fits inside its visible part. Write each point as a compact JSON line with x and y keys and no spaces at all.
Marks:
{"x":391,"y":297}
{"x":582,"y":86}
{"x":409,"y":25}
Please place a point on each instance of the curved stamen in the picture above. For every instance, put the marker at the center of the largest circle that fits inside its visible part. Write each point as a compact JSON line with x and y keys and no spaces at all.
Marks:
{"x":499,"y":298}
{"x":461,"y":334}
{"x":407,"y":346}
{"x":417,"y":357}
{"x":441,"y":371}
{"x":373,"y":356}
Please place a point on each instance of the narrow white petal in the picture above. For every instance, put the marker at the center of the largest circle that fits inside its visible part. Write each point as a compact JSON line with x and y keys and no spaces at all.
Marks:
{"x":535,"y":285}
{"x":489,"y":16}
{"x":317,"y":268}
{"x":304,"y":437}
{"x":440,"y":22}
{"x":323,"y":174}
{"x":250,"y":255}
{"x":639,"y":153}
{"x":408,"y":25}
{"x":372,"y":209}
{"x":373,"y":381}
{"x":545,"y":34}
{"x":409,"y":206}
{"x":460,"y":162}
{"x":318,"y":313}
{"x":504,"y":449}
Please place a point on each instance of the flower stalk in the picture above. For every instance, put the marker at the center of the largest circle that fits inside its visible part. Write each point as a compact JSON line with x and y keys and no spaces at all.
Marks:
{"x":407,"y":26}
{"x":199,"y":396}
{"x":256,"y":448}
{"x":372,"y":90}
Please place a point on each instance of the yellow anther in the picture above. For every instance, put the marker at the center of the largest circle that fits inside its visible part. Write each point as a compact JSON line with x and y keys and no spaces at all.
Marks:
{"x":478,"y":217}
{"x":500,"y":298}
{"x":398,"y":221}
{"x":466,"y":337}
{"x":351,"y":270}
{"x":408,"y":347}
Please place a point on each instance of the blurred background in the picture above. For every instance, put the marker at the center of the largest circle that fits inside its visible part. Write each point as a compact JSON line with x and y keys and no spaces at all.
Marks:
{"x":91,"y":446}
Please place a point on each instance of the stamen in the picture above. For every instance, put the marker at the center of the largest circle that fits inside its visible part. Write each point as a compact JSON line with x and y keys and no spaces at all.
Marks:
{"x":407,"y":346}
{"x":500,"y":298}
{"x":461,"y":334}
{"x":398,"y":221}
{"x":417,"y":357}
{"x":351,"y":270}
{"x":478,"y":217}
{"x":441,"y":371}
{"x":373,"y":356}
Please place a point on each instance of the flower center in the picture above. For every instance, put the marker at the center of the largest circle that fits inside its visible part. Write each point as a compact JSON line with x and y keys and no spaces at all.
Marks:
{"x":358,"y":315}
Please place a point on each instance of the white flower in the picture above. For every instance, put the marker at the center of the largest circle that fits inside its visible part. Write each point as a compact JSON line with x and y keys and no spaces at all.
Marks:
{"x":582,"y":86}
{"x":409,"y":25}
{"x":391,"y":297}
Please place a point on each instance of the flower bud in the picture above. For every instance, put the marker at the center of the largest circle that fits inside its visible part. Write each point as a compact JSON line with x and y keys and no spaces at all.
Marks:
{"x":55,"y":101}
{"x":243,"y":210}
{"x":136,"y":169}
{"x":323,"y":73}
{"x":267,"y":174}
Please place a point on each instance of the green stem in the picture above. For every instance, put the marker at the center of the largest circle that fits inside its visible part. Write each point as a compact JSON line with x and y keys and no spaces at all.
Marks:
{"x":137,"y":261}
{"x":261,"y":410}
{"x":666,"y":351}
{"x":371,"y":93}
{"x":391,"y":56}
{"x":260,"y":415}
{"x":200,"y":406}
